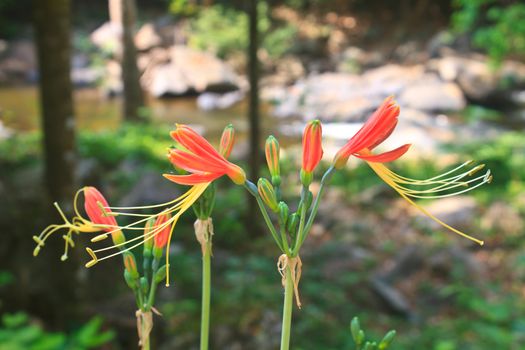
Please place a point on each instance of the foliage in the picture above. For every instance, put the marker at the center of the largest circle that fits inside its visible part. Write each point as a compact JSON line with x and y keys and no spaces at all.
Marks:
{"x":224,"y":30}
{"x":496,"y":26}
{"x":18,"y":332}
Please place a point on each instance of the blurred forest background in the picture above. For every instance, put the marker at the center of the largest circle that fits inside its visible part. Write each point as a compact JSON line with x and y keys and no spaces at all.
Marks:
{"x":90,"y":89}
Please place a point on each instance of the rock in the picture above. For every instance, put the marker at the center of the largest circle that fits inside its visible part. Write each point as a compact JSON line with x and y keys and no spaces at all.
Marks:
{"x":191,"y":71}
{"x":209,"y":101}
{"x":147,"y":37}
{"x":19,"y":63}
{"x":354,"y":59}
{"x":83,"y":77}
{"x":112,"y":83}
{"x":4,"y":131}
{"x":107,"y":37}
{"x":431,"y":94}
{"x":482,"y":83}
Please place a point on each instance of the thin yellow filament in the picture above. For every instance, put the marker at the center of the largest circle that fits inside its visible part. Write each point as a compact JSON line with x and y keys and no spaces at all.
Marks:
{"x":386,"y":175}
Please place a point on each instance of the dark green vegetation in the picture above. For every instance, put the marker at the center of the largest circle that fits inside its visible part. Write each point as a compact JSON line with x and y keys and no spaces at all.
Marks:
{"x":471,"y":301}
{"x":496,"y":26}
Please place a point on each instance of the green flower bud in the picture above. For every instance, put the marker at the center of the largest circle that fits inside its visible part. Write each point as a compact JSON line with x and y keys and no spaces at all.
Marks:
{"x":291,"y":225}
{"x":160,"y":275}
{"x":355,"y":328}
{"x":284,"y":212}
{"x":387,"y":340}
{"x":129,"y":280}
{"x":148,"y":243}
{"x":267,"y":194}
{"x":144,"y":285}
{"x":370,"y":346}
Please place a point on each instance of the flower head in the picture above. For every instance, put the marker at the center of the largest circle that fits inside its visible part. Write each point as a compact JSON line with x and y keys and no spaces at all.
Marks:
{"x":376,"y":129}
{"x":198,"y":157}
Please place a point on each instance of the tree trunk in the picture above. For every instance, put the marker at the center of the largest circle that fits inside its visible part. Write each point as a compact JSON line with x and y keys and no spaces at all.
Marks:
{"x":253,"y":73}
{"x":52,"y":21}
{"x":133,"y":95}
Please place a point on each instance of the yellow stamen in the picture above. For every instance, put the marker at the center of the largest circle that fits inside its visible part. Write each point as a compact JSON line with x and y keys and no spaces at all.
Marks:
{"x":99,"y":238}
{"x":392,"y":180}
{"x":93,"y":257}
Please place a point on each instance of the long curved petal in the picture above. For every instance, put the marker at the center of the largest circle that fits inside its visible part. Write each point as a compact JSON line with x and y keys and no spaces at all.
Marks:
{"x":386,"y":156}
{"x":192,"y":179}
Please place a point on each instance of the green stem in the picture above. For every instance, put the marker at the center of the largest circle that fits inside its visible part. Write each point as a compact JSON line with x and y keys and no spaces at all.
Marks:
{"x":206,"y":294}
{"x":300,"y":230}
{"x":287,"y":310}
{"x":324,"y":181}
{"x":253,"y":191}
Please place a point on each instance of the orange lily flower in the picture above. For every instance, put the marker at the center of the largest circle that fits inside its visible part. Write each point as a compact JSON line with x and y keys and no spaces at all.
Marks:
{"x":200,"y":159}
{"x":377,"y":129}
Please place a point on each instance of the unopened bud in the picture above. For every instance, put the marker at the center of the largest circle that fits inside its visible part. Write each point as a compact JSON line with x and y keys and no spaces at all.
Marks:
{"x":267,"y":194}
{"x":271,"y":151}
{"x":160,"y":275}
{"x":387,"y":340}
{"x":227,"y":140}
{"x":131,"y":265}
{"x":291,"y":225}
{"x":284,"y":211}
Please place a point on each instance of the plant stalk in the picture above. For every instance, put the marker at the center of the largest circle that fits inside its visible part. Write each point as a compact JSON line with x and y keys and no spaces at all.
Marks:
{"x":206,"y":294}
{"x":287,"y":310}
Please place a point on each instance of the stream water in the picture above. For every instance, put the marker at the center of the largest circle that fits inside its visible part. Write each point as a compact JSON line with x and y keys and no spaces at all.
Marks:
{"x":19,"y":111}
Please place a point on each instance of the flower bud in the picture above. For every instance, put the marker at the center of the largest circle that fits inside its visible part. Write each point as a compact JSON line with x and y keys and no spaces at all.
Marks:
{"x":148,"y":242}
{"x":271,"y":150}
{"x":97,"y":209}
{"x":144,"y":285}
{"x":357,"y":334}
{"x":227,"y":140}
{"x":130,"y":264}
{"x":267,"y":194}
{"x":129,"y":280}
{"x":283,"y":212}
{"x":387,"y":340}
{"x":160,"y":275}
{"x":312,"y":146}
{"x":291,"y":225}
{"x":163,"y":229}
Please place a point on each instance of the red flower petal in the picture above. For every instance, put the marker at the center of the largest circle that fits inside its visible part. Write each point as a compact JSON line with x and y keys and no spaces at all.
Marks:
{"x":92,"y":197}
{"x":194,"y":163}
{"x":386,"y":156}
{"x":192,"y":179}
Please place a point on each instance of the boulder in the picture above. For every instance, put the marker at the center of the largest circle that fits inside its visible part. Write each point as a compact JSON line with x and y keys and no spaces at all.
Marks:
{"x":431,"y":94}
{"x":147,"y":38}
{"x":210,"y":101}
{"x":191,"y":71}
{"x":481,"y":82}
{"x":107,"y":37}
